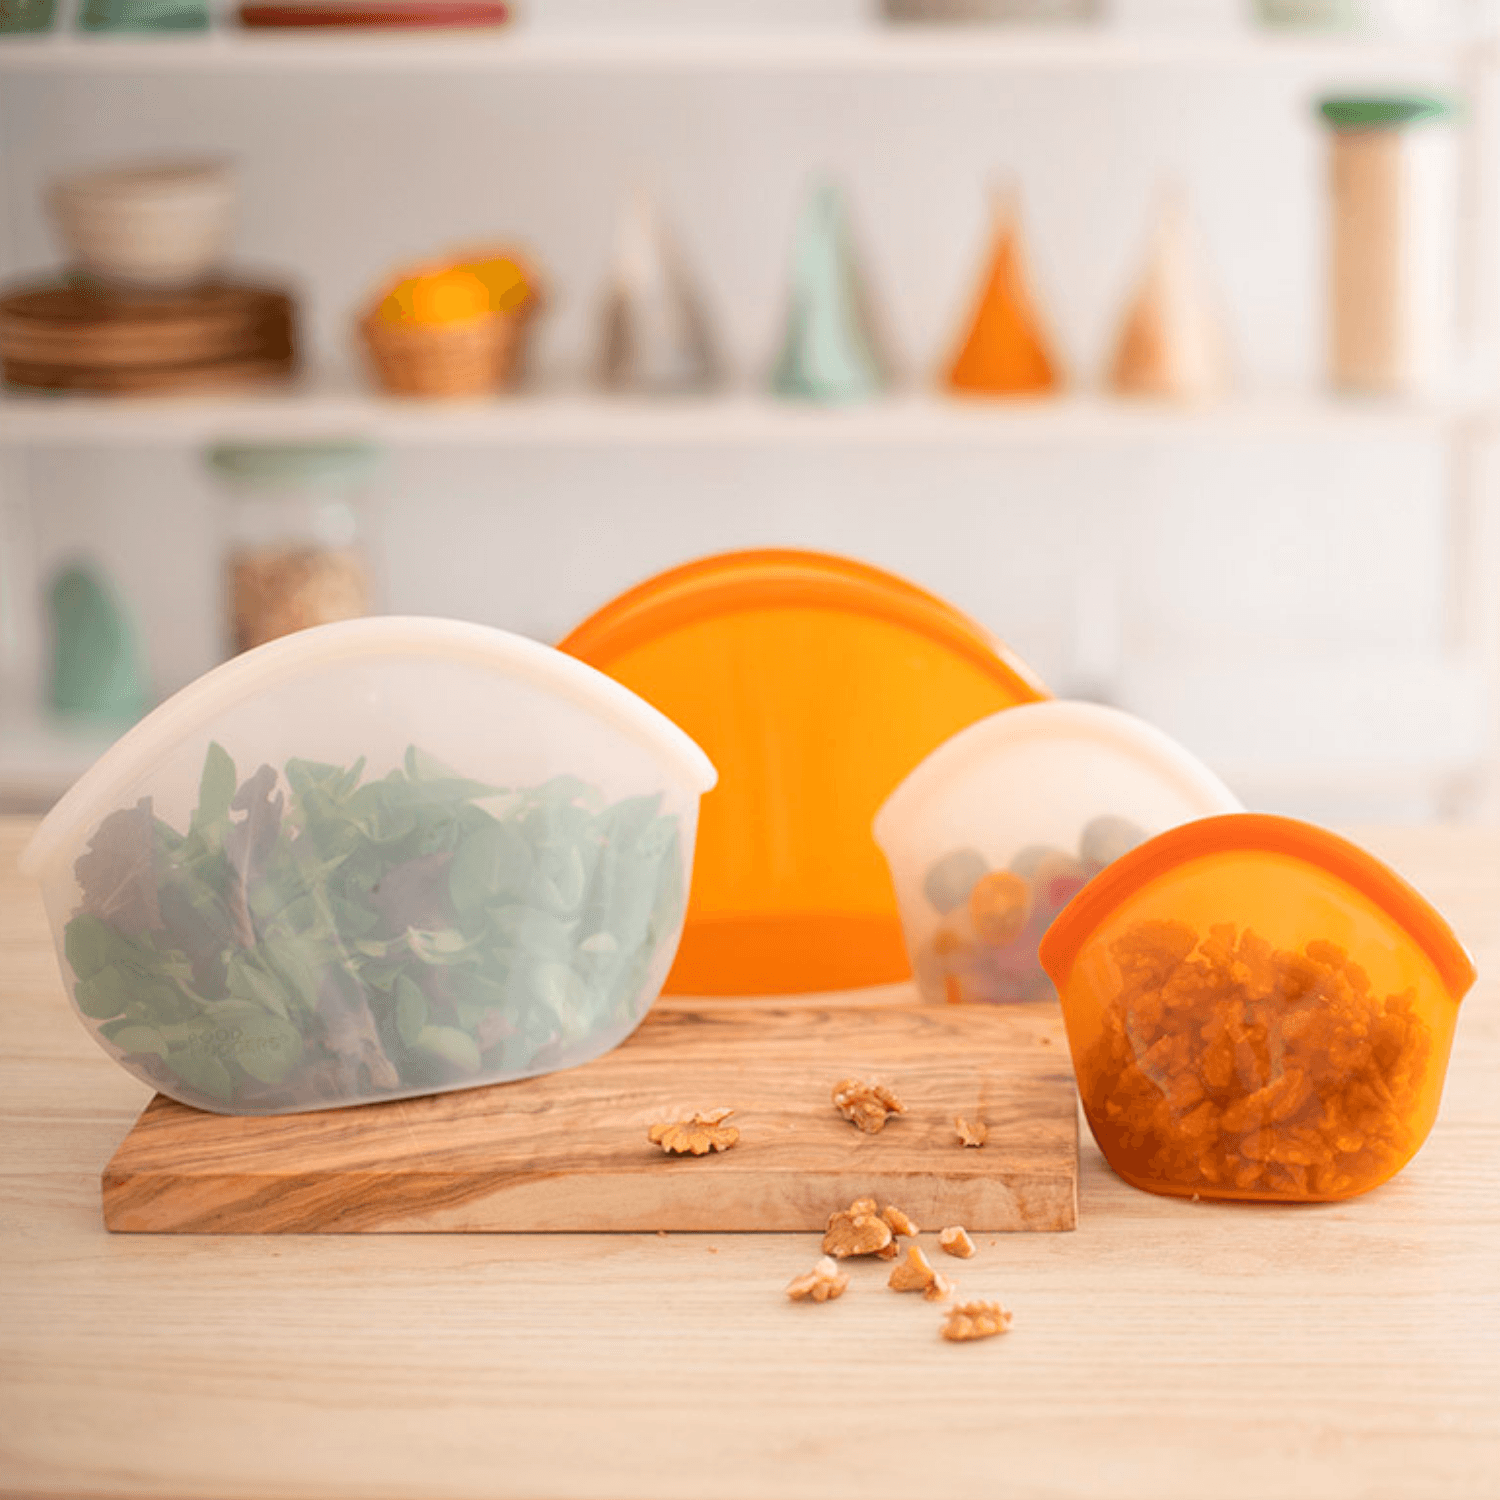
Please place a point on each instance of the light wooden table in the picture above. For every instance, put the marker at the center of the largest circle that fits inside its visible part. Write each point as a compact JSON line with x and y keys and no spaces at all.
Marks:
{"x":1164,"y":1349}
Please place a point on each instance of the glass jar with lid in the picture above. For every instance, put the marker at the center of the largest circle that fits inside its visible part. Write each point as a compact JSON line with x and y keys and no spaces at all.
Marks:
{"x":1393,"y":258}
{"x":295,"y":525}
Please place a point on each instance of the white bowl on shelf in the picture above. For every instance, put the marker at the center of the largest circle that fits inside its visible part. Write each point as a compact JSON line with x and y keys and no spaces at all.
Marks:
{"x":156,"y":226}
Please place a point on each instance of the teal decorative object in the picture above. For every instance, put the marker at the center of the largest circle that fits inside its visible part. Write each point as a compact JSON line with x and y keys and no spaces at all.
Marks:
{"x":143,"y":15}
{"x":830,"y":351}
{"x":26,"y":15}
{"x":96,"y":664}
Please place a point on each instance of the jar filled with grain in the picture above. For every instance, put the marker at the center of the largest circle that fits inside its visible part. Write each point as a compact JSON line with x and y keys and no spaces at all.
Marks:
{"x":1392,"y":246}
{"x":294,"y":553}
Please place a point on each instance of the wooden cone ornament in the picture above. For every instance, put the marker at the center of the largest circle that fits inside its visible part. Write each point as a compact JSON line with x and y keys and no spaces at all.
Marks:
{"x":1005,"y":351}
{"x":1171,"y":343}
{"x":654,"y":335}
{"x":830,"y":351}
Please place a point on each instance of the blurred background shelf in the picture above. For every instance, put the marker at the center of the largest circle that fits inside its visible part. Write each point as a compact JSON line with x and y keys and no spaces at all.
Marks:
{"x":900,"y":49}
{"x":588,"y":418}
{"x":1384,"y":723}
{"x":1301,"y":587}
{"x":41,"y":757}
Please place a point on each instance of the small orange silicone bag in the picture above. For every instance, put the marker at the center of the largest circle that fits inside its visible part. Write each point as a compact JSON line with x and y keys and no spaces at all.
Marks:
{"x":1256,"y":1008}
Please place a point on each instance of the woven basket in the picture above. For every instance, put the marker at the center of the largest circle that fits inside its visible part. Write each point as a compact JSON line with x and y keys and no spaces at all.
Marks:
{"x":471,"y":358}
{"x":438,"y":359}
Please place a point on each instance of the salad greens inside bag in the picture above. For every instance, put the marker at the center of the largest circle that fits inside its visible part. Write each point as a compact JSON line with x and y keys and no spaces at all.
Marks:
{"x":322,"y":938}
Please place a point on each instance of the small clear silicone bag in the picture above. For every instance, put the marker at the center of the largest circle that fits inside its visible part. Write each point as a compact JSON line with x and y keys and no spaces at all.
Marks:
{"x":371,"y":860}
{"x":1004,"y":823}
{"x":1257,"y":1009}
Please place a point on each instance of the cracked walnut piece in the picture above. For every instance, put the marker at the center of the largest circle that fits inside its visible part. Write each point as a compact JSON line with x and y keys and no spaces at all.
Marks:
{"x":866,"y":1104}
{"x":956,"y":1241}
{"x":975,"y":1320}
{"x":856,"y":1234}
{"x":916,"y":1274}
{"x":900,"y":1223}
{"x":699,"y":1135}
{"x":821,"y":1284}
{"x":971,"y":1135}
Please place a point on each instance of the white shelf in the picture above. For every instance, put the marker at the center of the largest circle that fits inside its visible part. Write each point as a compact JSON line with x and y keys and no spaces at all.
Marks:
{"x":588,"y":418}
{"x":893,"y":49}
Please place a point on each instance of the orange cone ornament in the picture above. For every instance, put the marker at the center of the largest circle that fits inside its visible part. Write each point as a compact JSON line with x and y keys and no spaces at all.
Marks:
{"x":1005,"y":351}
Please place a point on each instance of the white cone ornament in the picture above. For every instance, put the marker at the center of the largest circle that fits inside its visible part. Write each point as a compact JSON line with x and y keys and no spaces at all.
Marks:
{"x":654,"y":336}
{"x":1171,"y":343}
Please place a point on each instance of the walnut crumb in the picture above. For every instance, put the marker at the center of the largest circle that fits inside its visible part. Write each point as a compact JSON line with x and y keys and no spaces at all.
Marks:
{"x":956,"y":1241}
{"x":699,"y":1135}
{"x":975,"y":1320}
{"x":900,"y":1223}
{"x":866,"y":1104}
{"x":821,"y":1284}
{"x":914,"y":1274}
{"x":856,"y":1234}
{"x":891,"y":1251}
{"x":971,"y":1135}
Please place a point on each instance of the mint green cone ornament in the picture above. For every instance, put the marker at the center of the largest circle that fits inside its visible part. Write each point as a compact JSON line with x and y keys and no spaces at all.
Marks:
{"x":830,"y":351}
{"x":96,"y":664}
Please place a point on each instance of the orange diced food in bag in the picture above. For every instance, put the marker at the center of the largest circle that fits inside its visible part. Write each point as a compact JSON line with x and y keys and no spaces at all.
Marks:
{"x":1231,"y":1064}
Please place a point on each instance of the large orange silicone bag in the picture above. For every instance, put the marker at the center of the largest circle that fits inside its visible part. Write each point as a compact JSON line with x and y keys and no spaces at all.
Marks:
{"x":815,"y":684}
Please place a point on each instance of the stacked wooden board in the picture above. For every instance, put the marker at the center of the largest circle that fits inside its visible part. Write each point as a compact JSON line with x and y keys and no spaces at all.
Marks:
{"x":81,"y":336}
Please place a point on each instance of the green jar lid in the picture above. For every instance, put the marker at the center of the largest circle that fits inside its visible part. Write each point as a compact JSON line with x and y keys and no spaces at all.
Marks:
{"x":332,"y":465}
{"x":1383,"y":111}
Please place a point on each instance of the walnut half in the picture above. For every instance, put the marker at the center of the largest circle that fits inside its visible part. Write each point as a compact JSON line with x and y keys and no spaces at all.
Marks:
{"x":867,"y":1104}
{"x":975,"y":1320}
{"x":700,"y":1134}
{"x":857,"y":1230}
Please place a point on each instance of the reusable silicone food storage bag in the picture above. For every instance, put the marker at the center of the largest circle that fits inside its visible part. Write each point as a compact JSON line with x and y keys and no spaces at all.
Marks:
{"x":370,"y":860}
{"x":1002,"y":825}
{"x":1256,"y":1009}
{"x":815,"y":683}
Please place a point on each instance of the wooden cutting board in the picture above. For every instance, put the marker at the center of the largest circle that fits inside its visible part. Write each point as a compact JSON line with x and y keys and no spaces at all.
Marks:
{"x":569,"y":1151}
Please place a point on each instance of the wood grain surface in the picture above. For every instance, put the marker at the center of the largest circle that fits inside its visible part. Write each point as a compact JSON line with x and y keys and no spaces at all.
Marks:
{"x":1165,"y":1350}
{"x":76,"y":336}
{"x":569,"y":1151}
